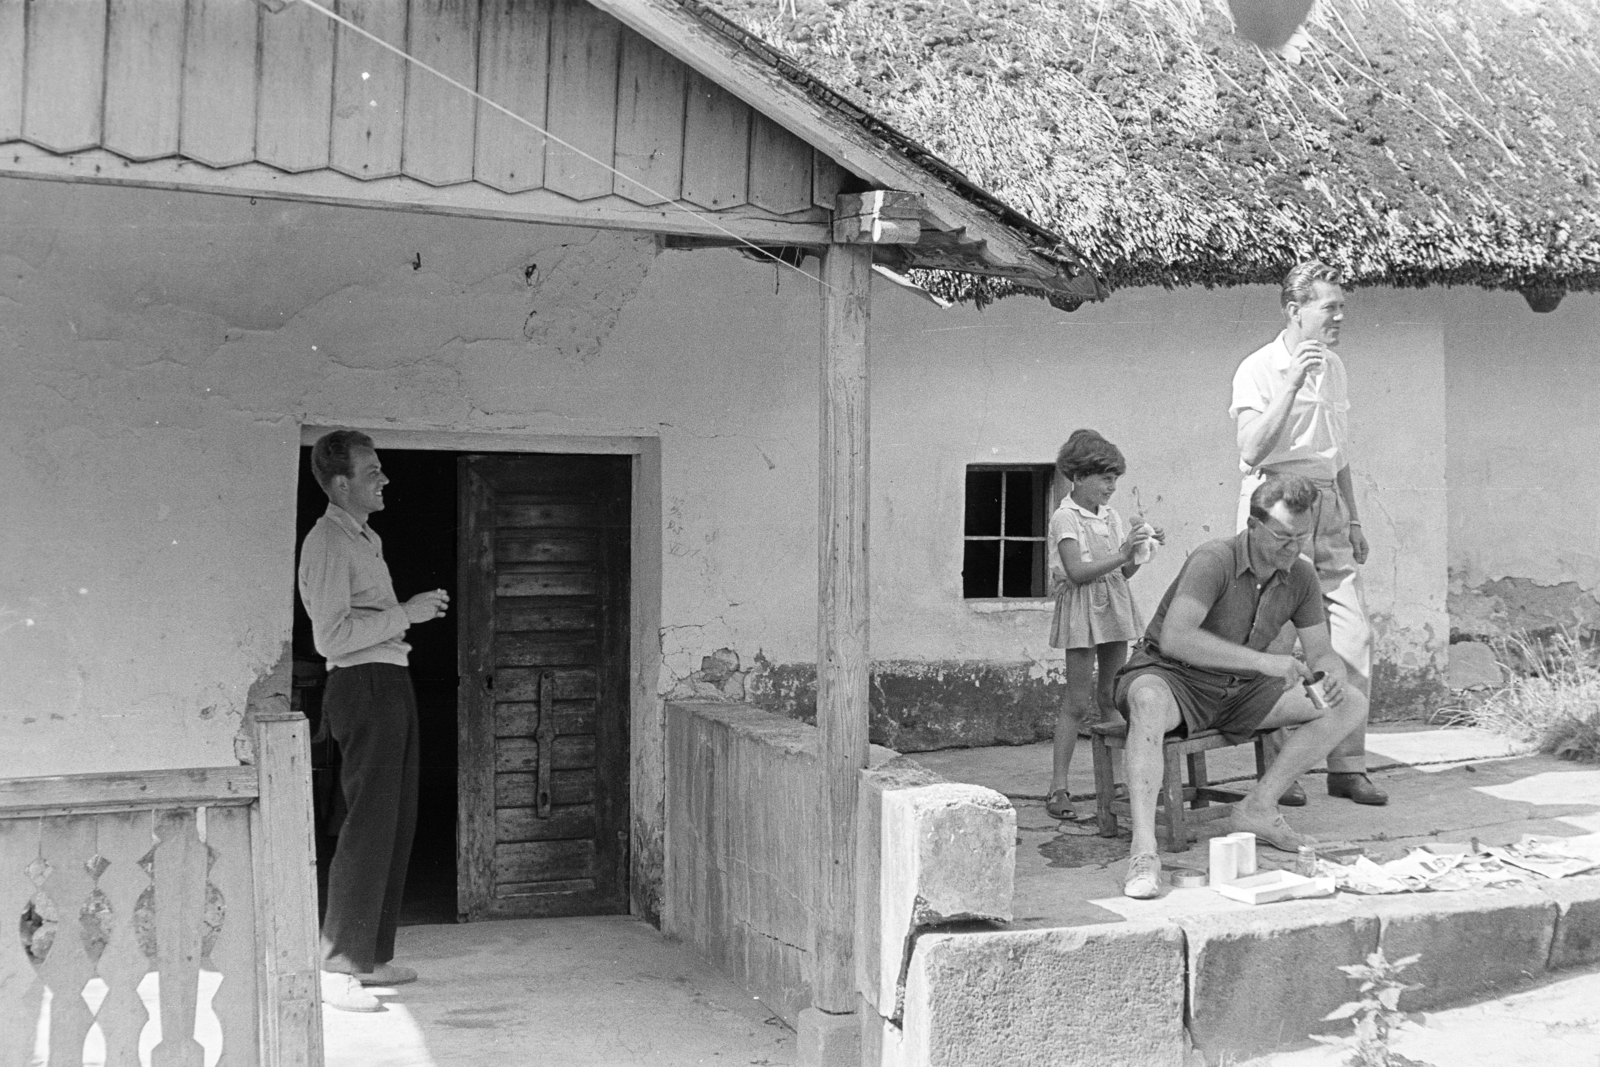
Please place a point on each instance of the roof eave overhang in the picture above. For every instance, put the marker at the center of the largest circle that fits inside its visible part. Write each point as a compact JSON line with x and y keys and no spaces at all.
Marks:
{"x":967,"y":230}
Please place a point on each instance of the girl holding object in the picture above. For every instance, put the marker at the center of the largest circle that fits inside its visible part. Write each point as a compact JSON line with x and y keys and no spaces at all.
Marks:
{"x":1093,"y":552}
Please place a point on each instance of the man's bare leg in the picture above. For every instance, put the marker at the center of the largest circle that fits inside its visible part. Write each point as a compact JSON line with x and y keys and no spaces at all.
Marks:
{"x":1319,"y":730}
{"x":1152,"y":712}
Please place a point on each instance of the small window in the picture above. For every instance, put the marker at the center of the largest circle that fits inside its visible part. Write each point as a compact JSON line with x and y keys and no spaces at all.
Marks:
{"x":1005,"y":551}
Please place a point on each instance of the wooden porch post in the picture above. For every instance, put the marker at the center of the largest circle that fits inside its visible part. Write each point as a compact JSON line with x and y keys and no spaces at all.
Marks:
{"x":286,"y":894}
{"x":843,"y":665}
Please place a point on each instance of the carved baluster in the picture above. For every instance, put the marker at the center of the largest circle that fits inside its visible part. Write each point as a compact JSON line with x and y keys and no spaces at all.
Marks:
{"x":234,"y":950}
{"x":126,"y":839}
{"x":180,"y":877}
{"x":21,"y":992}
{"x":68,"y":846}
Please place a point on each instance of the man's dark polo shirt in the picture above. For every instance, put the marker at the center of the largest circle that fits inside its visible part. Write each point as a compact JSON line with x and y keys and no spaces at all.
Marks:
{"x":1243,"y":610}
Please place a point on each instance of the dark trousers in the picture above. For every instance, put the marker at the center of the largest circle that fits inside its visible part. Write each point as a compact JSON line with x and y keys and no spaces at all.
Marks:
{"x":371,"y":711}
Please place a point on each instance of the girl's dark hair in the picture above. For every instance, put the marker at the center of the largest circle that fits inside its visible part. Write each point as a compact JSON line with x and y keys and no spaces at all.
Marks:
{"x":1086,"y":453}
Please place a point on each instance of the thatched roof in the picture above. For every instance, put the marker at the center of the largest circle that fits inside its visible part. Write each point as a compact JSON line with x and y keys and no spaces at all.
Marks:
{"x":1409,"y":142}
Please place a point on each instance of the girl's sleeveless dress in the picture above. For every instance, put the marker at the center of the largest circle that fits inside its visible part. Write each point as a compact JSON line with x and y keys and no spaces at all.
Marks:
{"x":1103,"y":610}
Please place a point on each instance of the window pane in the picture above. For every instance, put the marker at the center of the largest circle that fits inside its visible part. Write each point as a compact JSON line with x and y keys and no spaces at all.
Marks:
{"x":1018,"y":569}
{"x":1020,"y":504}
{"x":983,"y":504}
{"x":980,"y":569}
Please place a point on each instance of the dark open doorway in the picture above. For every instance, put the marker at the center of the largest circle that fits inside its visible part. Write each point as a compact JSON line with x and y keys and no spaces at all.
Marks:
{"x":418,"y":527}
{"x":528,"y":673}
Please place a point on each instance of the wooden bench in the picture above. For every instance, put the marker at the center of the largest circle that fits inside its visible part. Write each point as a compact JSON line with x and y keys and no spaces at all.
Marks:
{"x":1182,"y":805}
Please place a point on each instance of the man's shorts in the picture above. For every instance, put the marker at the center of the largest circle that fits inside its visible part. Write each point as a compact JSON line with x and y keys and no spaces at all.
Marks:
{"x":1231,"y":704}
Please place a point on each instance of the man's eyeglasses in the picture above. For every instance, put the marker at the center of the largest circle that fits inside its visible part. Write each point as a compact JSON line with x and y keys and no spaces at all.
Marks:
{"x":1280,"y":538}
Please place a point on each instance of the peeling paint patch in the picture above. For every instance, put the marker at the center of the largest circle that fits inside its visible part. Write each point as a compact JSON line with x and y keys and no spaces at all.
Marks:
{"x":1402,"y":692}
{"x":268,"y":693}
{"x":720,"y":677}
{"x":1519,"y":605}
{"x":649,"y":869}
{"x":918,"y":706}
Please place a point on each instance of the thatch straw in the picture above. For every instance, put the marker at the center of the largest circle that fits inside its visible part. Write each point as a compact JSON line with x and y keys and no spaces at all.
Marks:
{"x":1409,"y":143}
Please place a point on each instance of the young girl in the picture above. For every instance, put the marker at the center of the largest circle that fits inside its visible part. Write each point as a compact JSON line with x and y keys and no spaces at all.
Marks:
{"x":1093,"y":553}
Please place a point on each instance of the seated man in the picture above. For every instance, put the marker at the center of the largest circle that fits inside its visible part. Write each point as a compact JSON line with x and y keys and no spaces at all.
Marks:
{"x":1203,"y":665}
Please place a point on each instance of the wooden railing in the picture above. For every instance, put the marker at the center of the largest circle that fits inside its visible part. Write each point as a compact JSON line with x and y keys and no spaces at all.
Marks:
{"x":162,"y":918}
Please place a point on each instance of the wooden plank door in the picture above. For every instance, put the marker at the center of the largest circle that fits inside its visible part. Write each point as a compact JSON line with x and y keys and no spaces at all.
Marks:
{"x":543,"y":802}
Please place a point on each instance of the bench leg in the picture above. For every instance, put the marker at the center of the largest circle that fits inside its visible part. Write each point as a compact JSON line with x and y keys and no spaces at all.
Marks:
{"x":1198,"y":778}
{"x":1172,"y":799}
{"x":1104,"y":787}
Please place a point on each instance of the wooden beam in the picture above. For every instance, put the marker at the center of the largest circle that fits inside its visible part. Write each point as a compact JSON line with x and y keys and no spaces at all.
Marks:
{"x":64,"y":87}
{"x":73,"y":794}
{"x":369,"y":90}
{"x":144,"y":77}
{"x":843,"y":665}
{"x":286,"y":893}
{"x":470,"y":200}
{"x":13,"y":37}
{"x":585,"y":48}
{"x":878,"y":217}
{"x":295,"y":100}
{"x":513,"y":70}
{"x":219,"y":82}
{"x":437,"y":144}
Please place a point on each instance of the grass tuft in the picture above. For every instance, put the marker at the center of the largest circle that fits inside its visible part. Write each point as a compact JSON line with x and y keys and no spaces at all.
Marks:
{"x":1553,"y":700}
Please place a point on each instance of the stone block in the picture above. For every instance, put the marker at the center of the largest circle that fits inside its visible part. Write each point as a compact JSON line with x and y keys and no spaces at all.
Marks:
{"x":1577,"y":937}
{"x":1091,"y":996}
{"x":1265,"y":978}
{"x":825,"y":1039}
{"x":1469,"y":943}
{"x":1472,"y":666}
{"x":928,"y":852}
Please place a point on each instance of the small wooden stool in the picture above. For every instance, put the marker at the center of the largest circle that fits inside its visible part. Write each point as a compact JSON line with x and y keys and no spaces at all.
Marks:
{"x":1181,"y":806}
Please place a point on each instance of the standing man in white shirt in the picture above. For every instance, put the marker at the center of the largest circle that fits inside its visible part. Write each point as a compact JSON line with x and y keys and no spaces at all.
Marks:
{"x":357,"y":624}
{"x":1291,"y":409}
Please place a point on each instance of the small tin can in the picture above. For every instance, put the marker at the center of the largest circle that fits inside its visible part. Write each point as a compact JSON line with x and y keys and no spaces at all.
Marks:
{"x":1306,"y":861}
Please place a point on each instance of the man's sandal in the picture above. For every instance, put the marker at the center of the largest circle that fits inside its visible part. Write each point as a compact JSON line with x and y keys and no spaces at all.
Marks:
{"x":1058,"y":806}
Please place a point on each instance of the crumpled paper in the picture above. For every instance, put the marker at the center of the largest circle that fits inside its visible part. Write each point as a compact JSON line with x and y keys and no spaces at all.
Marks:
{"x":1548,"y":857}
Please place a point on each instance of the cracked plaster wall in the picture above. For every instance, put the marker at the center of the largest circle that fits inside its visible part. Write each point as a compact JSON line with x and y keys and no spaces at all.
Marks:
{"x":1152,"y":370}
{"x":1524,"y":409}
{"x":162,"y":350}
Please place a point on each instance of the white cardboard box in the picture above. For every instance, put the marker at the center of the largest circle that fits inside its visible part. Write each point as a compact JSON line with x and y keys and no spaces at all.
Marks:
{"x":1268,"y":886}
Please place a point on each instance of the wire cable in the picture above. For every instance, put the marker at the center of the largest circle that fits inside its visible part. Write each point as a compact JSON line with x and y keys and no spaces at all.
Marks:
{"x":547,"y":135}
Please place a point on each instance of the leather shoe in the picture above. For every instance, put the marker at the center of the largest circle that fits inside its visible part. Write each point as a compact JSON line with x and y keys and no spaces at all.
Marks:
{"x":1294,"y":796}
{"x":1356,"y":787}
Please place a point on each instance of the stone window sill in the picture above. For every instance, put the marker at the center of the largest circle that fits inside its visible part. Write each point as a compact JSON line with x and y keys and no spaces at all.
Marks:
{"x":997,"y":606}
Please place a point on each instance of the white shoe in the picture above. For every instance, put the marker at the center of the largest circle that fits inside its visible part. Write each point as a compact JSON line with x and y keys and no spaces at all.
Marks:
{"x":343,"y":993}
{"x":387,"y":974}
{"x":1143,"y":880}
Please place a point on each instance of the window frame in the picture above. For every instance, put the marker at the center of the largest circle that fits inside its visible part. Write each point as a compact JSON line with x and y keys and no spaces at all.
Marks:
{"x":1054,"y":492}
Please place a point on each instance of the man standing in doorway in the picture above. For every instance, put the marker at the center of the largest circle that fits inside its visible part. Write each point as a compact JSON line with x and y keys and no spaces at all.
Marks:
{"x":357,"y":624}
{"x":1291,"y":411}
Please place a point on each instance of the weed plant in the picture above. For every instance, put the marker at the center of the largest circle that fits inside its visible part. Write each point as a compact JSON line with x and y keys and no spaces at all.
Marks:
{"x":1552,"y":701}
{"x":1375,"y":1013}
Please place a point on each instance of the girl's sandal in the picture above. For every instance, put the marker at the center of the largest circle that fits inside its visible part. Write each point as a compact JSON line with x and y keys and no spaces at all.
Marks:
{"x":1058,"y":806}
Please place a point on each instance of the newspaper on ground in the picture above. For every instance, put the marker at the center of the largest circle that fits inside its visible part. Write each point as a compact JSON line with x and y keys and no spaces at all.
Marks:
{"x":1422,"y":870}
